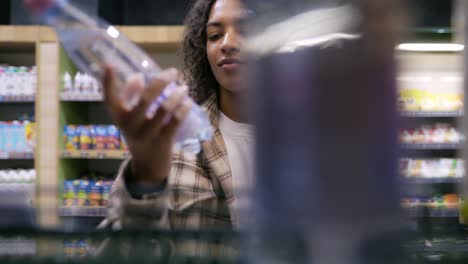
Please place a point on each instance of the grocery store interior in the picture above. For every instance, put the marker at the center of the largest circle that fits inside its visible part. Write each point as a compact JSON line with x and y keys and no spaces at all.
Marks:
{"x":351,"y":142}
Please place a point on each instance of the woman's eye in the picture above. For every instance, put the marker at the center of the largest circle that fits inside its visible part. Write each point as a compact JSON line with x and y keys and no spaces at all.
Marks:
{"x":214,"y":37}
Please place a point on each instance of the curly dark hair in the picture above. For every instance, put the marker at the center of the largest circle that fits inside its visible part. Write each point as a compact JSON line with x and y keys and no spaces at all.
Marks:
{"x":197,"y":70}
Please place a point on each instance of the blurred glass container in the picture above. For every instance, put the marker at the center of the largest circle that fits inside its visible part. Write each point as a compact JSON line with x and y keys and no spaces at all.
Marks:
{"x":324,"y":101}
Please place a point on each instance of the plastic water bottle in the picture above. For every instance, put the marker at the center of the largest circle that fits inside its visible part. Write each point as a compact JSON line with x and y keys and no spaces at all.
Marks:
{"x":92,"y":43}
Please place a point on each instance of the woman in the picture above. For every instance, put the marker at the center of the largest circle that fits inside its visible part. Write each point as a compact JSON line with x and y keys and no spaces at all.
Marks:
{"x":157,"y":188}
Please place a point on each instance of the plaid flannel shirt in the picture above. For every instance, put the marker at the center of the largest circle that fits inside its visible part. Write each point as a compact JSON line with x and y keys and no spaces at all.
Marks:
{"x":198,"y":195}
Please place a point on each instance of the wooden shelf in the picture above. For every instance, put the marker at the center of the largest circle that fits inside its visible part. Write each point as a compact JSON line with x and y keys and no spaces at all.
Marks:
{"x":432,"y":113}
{"x":18,"y":34}
{"x":149,"y":37}
{"x":18,"y":99}
{"x":81,"y":98}
{"x":154,"y":37}
{"x":95,"y":154}
{"x":83,"y":211}
{"x":432,"y":146}
{"x":445,"y":180}
{"x":16,"y":155}
{"x":419,"y":212}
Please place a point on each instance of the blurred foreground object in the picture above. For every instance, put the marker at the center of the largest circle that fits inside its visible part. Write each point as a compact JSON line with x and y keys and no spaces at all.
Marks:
{"x":325,"y":105}
{"x":92,"y":44}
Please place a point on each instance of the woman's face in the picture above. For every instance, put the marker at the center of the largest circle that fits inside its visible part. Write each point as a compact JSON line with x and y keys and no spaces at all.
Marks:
{"x":225,"y":38}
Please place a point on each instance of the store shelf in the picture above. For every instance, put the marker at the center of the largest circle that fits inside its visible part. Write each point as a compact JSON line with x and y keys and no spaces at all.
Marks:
{"x":432,"y":113}
{"x":18,"y":38}
{"x":83,"y":211}
{"x":419,"y":212}
{"x":81,"y":98}
{"x":95,"y":154}
{"x":432,"y":146}
{"x":17,"y":99}
{"x":150,"y":37}
{"x":16,"y":155}
{"x":447,"y":180}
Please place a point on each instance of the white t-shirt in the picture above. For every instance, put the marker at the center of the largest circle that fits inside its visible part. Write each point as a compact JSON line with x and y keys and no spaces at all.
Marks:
{"x":239,"y":140}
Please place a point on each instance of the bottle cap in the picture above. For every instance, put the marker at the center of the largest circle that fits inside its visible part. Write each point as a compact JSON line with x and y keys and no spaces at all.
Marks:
{"x":38,"y":7}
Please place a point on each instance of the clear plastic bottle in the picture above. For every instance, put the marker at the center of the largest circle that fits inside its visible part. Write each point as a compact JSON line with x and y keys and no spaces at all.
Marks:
{"x":92,"y":43}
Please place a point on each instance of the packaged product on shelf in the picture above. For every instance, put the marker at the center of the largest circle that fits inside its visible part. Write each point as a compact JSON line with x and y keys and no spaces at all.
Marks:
{"x":106,"y":188}
{"x":437,"y":202}
{"x":9,"y":137}
{"x":123,"y":142}
{"x":459,"y":168}
{"x":30,"y":134}
{"x":2,"y":136}
{"x":17,"y":81}
{"x":409,"y":99}
{"x":113,"y":142}
{"x":67,"y":83}
{"x":72,"y":137}
{"x":438,"y":134}
{"x":427,"y":100}
{"x":20,"y":132}
{"x":419,"y":137}
{"x":88,"y":84}
{"x":101,"y":137}
{"x":82,"y":248}
{"x":434,"y":168}
{"x":86,"y":137}
{"x":69,"y":193}
{"x":451,"y":200}
{"x":415,"y":168}
{"x":78,"y":83}
{"x":95,"y":86}
{"x":453,"y":136}
{"x":83,"y":192}
{"x":69,"y":248}
{"x":81,"y":85}
{"x":404,"y":167}
{"x":95,"y":193}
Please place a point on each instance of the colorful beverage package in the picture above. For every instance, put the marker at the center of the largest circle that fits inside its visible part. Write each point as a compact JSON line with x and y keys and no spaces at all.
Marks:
{"x":82,"y":248}
{"x":113,"y":139}
{"x":9,"y":137}
{"x":100,"y":139}
{"x":106,"y":188}
{"x":83,"y":192}
{"x":86,"y":140}
{"x":69,"y":194}
{"x":123,"y":142}
{"x":19,"y":142}
{"x":69,"y":248}
{"x":71,"y":136}
{"x":2,"y":136}
{"x":95,"y":193}
{"x":30,"y":134}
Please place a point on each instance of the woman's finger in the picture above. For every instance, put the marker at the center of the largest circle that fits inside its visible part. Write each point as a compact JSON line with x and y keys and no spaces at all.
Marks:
{"x":177,"y":117}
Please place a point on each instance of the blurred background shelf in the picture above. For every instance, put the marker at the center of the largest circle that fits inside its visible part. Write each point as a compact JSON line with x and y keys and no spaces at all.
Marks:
{"x":16,"y":155}
{"x":432,"y":113}
{"x":421,"y":212}
{"x":95,"y":154}
{"x":432,"y":146}
{"x":83,"y":211}
{"x":17,"y":99}
{"x":447,"y":180}
{"x":81,"y":98}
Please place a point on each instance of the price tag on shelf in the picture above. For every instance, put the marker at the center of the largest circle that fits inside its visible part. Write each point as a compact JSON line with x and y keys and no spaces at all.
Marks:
{"x":84,"y":154}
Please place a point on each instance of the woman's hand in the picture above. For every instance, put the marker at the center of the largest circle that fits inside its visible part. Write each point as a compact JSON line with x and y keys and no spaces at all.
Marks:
{"x":150,"y":137}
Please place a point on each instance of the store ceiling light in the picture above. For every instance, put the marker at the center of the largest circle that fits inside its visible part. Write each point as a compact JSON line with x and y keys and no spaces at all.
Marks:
{"x":430,"y":47}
